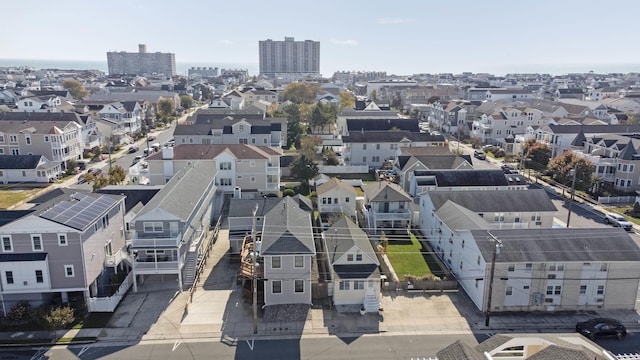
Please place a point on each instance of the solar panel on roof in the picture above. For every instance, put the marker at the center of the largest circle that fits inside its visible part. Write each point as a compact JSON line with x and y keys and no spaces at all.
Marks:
{"x":81,"y":211}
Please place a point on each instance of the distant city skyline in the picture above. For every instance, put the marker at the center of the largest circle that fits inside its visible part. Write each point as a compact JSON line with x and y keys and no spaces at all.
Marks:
{"x":495,"y":36}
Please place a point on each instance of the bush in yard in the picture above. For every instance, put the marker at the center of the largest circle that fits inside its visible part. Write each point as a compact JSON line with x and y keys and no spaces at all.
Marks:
{"x":19,"y":311}
{"x":59,"y":317}
{"x":289,"y":192}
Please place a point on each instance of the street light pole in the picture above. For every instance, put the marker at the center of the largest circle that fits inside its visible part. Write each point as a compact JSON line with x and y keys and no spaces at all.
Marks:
{"x":254,"y":259}
{"x":496,"y":249}
{"x":573,"y":191}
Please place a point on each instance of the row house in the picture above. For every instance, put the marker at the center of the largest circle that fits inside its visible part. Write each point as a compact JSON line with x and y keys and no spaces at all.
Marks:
{"x":373,"y":148}
{"x":560,"y":138}
{"x":169,"y":232}
{"x":615,"y":157}
{"x":451,"y":117}
{"x":251,"y":170}
{"x":410,"y":160}
{"x":495,"y":209}
{"x":28,"y":168}
{"x":503,"y":122}
{"x":57,"y":136}
{"x":63,"y":249}
{"x":546,"y":269}
{"x":422,"y":95}
{"x":206,"y":127}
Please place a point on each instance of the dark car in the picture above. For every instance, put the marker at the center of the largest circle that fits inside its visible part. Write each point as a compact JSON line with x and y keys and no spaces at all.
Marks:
{"x":133,"y":149}
{"x":601,"y":327}
{"x":508,"y":169}
{"x":480,"y":155}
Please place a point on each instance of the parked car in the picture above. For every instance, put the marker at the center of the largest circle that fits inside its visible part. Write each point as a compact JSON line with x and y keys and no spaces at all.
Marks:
{"x":151,"y":137}
{"x":136,"y":159}
{"x":133,"y":149}
{"x":508,"y":169}
{"x":618,"y":220}
{"x":479,"y":154}
{"x":601,"y":327}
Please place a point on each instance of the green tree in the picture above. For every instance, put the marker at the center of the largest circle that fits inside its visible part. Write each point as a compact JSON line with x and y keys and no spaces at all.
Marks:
{"x":347,"y":100}
{"x":70,"y":167}
{"x":116,"y":175}
{"x":537,"y":155}
{"x":75,"y":88}
{"x":561,"y":168}
{"x":433,"y":99}
{"x":186,"y":102}
{"x":309,"y":146}
{"x":304,"y":169}
{"x":166,"y":110}
{"x":295,"y":129}
{"x":323,"y":115}
{"x":301,"y":93}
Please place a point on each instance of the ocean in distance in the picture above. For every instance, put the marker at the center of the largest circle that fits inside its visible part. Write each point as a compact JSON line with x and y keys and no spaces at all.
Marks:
{"x":181,"y":67}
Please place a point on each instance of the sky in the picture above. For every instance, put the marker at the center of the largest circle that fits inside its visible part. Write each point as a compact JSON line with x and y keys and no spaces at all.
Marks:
{"x":399,"y":37}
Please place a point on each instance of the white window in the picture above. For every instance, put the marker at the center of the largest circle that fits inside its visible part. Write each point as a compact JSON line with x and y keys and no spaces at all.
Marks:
{"x":39,"y":277}
{"x":364,"y":146}
{"x":276,"y":286}
{"x":7,"y":244}
{"x":69,"y":271}
{"x":9,"y":276}
{"x":299,"y":261}
{"x":358,"y":257}
{"x":509,"y":291}
{"x":349,"y":257}
{"x":225,"y":165}
{"x":600,"y":290}
{"x":276,"y":262}
{"x":217,"y":133}
{"x":13,"y":138}
{"x":153,"y":227}
{"x":241,"y":128}
{"x":36,"y":242}
{"x":583,"y":289}
{"x":243,"y":141}
{"x":358,"y":285}
{"x":344,"y":285}
{"x":511,"y":268}
{"x":298,"y":286}
{"x":528,"y":266}
{"x":62,"y":239}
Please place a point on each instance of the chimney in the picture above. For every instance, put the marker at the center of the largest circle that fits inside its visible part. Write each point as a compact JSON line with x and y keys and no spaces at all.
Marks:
{"x":142,"y":48}
{"x":167,"y":153}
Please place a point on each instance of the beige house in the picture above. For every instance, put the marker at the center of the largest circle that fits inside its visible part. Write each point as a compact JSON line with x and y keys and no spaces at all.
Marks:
{"x":243,"y":170}
{"x":355,"y":278}
{"x":335,"y":196}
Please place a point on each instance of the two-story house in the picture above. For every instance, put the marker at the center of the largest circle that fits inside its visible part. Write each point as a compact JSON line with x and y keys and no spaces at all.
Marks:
{"x":387,"y":206}
{"x":211,"y":127}
{"x":336,"y":196}
{"x":410,"y":160}
{"x":64,"y":248}
{"x":253,"y":96}
{"x":121,"y":118}
{"x":169,"y":232}
{"x":464,"y":179}
{"x":355,"y":278}
{"x":252,"y":170}
{"x":288,"y":250}
{"x":546,"y":269}
{"x":57,"y":136}
{"x":28,"y":168}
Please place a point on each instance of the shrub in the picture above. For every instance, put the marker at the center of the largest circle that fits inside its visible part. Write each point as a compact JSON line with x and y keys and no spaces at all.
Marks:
{"x":288,"y":192}
{"x":59,"y":317}
{"x":19,"y":311}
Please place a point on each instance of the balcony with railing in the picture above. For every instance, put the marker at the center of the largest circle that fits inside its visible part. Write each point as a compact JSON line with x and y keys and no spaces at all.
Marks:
{"x":273,"y":170}
{"x":509,"y":225}
{"x":144,"y":240}
{"x":395,"y":215}
{"x":248,"y":259}
{"x":597,"y":160}
{"x":115,"y":259}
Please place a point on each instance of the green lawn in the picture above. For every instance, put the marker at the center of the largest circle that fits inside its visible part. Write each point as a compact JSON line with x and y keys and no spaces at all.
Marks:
{"x":407,"y":259}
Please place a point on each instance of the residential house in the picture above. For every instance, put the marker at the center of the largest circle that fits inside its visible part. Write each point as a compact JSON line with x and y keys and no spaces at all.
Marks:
{"x":508,"y":94}
{"x":498,"y":209}
{"x":355,"y":278}
{"x":366,"y":113}
{"x":572,"y":269}
{"x":63,"y":249}
{"x":387,"y":206}
{"x":57,"y":136}
{"x":616,"y":159}
{"x":169,"y":233}
{"x":569,"y":93}
{"x":592,"y":108}
{"x":252,"y":171}
{"x":464,"y":179}
{"x":211,"y":127}
{"x":8,"y":97}
{"x":559,"y":138}
{"x":240,"y":216}
{"x":373,"y":148}
{"x":28,"y":168}
{"x":495,"y":123}
{"x":288,"y":251}
{"x":336,"y":196}
{"x":150,"y":96}
{"x":45,"y":103}
{"x":253,"y":96}
{"x":410,"y":160}
{"x":127,"y":115}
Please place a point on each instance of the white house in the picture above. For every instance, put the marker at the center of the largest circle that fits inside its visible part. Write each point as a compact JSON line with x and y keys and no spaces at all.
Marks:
{"x":335,"y":196}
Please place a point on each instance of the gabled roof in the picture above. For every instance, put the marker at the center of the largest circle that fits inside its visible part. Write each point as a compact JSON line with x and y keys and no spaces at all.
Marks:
{"x":19,"y":162}
{"x":482,"y":201}
{"x":211,"y":151}
{"x":629,"y":152}
{"x":245,"y":207}
{"x":385,"y":191}
{"x":459,"y":351}
{"x":433,"y":162}
{"x":457,"y":217}
{"x":333,"y":183}
{"x":287,"y":230}
{"x":390,"y":136}
{"x":343,"y":235}
{"x":559,"y":245}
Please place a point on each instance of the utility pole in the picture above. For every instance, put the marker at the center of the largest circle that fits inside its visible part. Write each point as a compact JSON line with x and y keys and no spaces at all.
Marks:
{"x":254,"y":259}
{"x":109,"y":144}
{"x":496,"y":249}
{"x":573,"y":191}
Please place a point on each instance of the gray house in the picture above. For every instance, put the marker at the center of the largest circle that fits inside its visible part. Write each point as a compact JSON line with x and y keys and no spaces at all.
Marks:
{"x":65,"y":248}
{"x":168,"y":233}
{"x":27,"y":168}
{"x":288,"y":251}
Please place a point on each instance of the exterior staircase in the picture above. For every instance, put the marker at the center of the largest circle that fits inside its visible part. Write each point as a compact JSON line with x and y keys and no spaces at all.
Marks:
{"x":371,"y":301}
{"x":189,"y":271}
